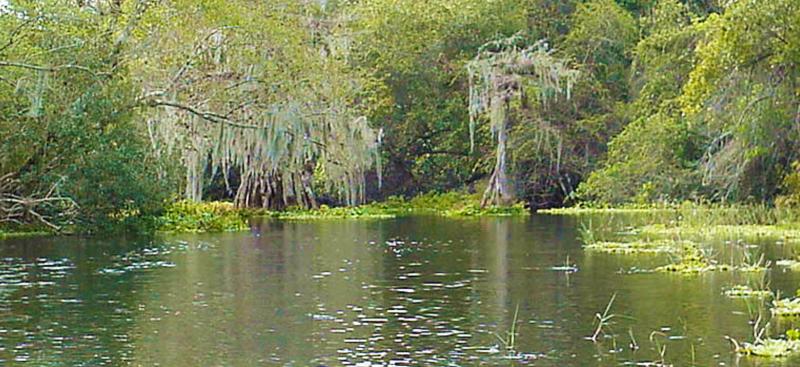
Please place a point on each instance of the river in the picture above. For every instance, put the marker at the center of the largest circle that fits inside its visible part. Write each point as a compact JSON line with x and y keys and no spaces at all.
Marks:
{"x":415,"y":291}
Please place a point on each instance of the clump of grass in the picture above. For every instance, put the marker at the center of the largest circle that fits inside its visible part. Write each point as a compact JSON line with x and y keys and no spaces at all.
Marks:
{"x":217,"y":216}
{"x":744,"y":291}
{"x":753,"y":266}
{"x":586,"y":233}
{"x":635,"y":247}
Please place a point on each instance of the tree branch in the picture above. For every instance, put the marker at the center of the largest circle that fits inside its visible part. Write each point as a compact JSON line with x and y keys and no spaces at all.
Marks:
{"x":50,"y":68}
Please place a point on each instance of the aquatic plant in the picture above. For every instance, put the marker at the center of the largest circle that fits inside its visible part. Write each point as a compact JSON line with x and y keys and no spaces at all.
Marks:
{"x":188,"y":216}
{"x":325,"y":212}
{"x":790,"y":264}
{"x":786,"y":233}
{"x":474,"y":210}
{"x":787,"y":307}
{"x":660,"y":348}
{"x":635,"y":247}
{"x":586,"y":233}
{"x":765,"y":347}
{"x":769,"y":348}
{"x":509,"y":341}
{"x":750,"y":265}
{"x":703,"y":221}
{"x":692,"y":261}
{"x":604,"y":319}
{"x":623,"y":209}
{"x":744,"y":291}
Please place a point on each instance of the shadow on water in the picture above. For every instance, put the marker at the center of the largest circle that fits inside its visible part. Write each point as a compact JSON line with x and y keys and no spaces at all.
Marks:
{"x":411,"y":291}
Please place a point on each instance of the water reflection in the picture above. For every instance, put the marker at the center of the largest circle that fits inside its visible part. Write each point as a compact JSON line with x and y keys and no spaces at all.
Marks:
{"x":405,"y":292}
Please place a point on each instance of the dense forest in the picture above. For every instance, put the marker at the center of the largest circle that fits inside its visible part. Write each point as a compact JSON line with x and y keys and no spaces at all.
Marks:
{"x":110,"y":109}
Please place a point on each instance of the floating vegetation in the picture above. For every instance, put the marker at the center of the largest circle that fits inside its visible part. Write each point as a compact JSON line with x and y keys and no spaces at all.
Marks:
{"x":773,"y":348}
{"x":744,"y":291}
{"x":616,"y":210}
{"x":766,"y":347}
{"x":451,"y":204}
{"x":326,"y":212}
{"x":751,"y":266}
{"x":188,"y":216}
{"x":787,"y":307}
{"x":790,"y":264}
{"x":783,"y":232}
{"x":636,"y":247}
{"x":692,"y":261}
{"x":701,"y":222}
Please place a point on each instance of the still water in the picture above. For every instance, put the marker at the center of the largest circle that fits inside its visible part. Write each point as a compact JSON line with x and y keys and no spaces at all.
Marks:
{"x":419,"y":291}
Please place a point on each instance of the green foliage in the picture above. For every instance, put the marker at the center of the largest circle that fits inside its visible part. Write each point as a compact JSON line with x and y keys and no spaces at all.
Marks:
{"x":791,"y":188}
{"x":692,"y":261}
{"x":119,"y":105}
{"x":634,"y":247}
{"x":67,"y":126}
{"x":186,"y":216}
{"x":418,"y":49}
{"x":743,"y":291}
{"x":22,"y":234}
{"x":450,"y":204}
{"x":770,"y":348}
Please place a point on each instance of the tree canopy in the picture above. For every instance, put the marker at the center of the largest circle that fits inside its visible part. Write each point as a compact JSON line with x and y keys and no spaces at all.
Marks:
{"x":111,"y":108}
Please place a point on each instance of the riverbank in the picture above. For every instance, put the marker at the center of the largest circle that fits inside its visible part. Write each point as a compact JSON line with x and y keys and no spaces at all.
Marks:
{"x":9,"y":234}
{"x":186,"y":216}
{"x":219,"y":216}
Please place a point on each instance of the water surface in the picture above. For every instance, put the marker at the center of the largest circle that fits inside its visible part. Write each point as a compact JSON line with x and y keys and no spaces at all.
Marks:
{"x":419,"y":291}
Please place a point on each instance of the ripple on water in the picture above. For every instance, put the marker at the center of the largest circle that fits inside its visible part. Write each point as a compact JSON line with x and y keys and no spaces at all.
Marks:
{"x":149,"y":258}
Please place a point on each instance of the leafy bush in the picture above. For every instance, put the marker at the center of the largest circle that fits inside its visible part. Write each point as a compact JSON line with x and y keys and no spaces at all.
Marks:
{"x":791,"y":188}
